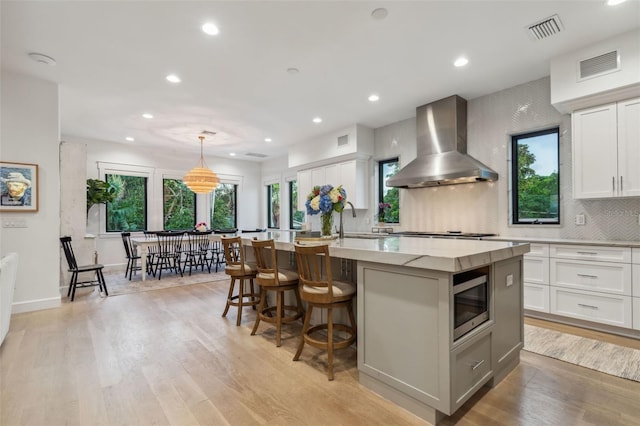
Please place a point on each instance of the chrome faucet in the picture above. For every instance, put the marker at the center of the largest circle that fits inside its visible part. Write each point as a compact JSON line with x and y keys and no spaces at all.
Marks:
{"x":341,"y":232}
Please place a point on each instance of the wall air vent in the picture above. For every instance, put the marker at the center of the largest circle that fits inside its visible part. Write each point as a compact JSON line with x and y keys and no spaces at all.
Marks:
{"x":598,"y":65}
{"x":545,"y":28}
{"x":255,"y":154}
{"x":343,"y":140}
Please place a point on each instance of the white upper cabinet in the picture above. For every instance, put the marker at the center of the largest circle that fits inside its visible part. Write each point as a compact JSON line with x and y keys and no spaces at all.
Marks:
{"x":606,"y":150}
{"x":352,"y":175}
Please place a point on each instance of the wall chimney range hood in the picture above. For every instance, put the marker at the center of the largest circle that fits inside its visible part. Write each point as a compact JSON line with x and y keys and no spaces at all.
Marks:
{"x":442,"y":149}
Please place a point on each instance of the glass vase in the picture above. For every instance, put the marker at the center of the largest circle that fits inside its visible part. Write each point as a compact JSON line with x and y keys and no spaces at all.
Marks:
{"x":326,"y":224}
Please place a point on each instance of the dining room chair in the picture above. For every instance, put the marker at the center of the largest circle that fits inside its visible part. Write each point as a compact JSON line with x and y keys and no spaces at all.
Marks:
{"x":76,"y":269}
{"x":196,"y":252}
{"x":239,"y":270}
{"x":132,"y":255}
{"x":320,"y":291}
{"x":168,"y":253}
{"x":274,"y":279}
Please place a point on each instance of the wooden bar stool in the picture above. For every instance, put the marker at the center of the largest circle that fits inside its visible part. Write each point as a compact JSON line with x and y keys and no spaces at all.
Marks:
{"x":324,"y":293}
{"x":272,"y":278}
{"x":238,"y":269}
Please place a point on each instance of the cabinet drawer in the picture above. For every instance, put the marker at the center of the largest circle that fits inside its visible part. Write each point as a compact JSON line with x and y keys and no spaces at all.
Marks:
{"x":536,"y":269}
{"x":636,"y":313}
{"x":635,"y":255}
{"x":471,"y":368}
{"x":590,"y":306}
{"x":536,"y":297}
{"x":596,"y":276}
{"x":603,"y":254}
{"x":538,"y":250}
{"x":635,"y":286}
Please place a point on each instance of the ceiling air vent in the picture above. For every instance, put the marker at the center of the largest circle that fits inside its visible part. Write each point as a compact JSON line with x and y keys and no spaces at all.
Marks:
{"x":207,"y":132}
{"x":255,"y":154}
{"x":598,"y":65}
{"x":545,"y":28}
{"x":343,"y":140}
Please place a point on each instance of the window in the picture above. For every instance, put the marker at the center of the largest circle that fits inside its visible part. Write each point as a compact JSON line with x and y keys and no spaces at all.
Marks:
{"x":296,"y":217}
{"x":535,"y":181}
{"x":128,"y":212}
{"x":386,"y":194}
{"x":224,"y":211}
{"x":179,"y":205}
{"x":273,"y":205}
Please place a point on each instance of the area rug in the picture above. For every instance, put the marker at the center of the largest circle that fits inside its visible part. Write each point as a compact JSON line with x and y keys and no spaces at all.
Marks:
{"x":601,"y":356}
{"x":117,"y":284}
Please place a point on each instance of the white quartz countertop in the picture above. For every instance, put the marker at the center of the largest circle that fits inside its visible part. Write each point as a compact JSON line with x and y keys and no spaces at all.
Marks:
{"x":611,"y":243}
{"x":449,"y":255}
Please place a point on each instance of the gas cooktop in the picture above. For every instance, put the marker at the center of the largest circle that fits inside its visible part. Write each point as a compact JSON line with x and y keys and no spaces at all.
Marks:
{"x":444,"y":234}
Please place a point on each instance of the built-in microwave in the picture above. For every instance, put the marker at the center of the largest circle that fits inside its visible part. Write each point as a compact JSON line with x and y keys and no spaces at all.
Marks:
{"x":471,"y":296}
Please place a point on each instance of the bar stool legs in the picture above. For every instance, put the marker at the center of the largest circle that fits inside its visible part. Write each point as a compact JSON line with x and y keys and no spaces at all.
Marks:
{"x":278,"y":314}
{"x":241,"y":299}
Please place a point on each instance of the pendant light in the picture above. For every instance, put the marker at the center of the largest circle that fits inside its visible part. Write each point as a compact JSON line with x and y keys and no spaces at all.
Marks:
{"x":200,"y":179}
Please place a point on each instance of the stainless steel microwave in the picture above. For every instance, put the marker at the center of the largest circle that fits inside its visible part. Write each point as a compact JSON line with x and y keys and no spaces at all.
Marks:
{"x":471,"y":295}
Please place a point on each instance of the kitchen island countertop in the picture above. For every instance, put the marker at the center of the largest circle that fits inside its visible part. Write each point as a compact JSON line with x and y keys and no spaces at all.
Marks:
{"x":449,"y":255}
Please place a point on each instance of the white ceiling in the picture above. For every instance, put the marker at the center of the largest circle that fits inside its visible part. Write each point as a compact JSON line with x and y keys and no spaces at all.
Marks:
{"x":113,"y":56}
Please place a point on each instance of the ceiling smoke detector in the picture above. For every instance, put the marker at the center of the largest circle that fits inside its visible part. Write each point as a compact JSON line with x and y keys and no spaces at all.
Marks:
{"x":545,"y":28}
{"x":43,"y":59}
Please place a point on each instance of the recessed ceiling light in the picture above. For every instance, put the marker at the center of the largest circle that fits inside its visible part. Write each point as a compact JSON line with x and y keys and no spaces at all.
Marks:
{"x":374,"y":98}
{"x":173,"y":78}
{"x":461,"y":62}
{"x":43,"y":59}
{"x":379,"y":13}
{"x":317,"y":120}
{"x":210,"y":29}
{"x":267,"y":139}
{"x":233,"y":154}
{"x":130,"y":139}
{"x":147,"y":115}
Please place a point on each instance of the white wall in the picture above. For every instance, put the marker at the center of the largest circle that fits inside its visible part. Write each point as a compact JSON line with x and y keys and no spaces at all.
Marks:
{"x":484,"y":207}
{"x":30,"y":133}
{"x":245,"y":173}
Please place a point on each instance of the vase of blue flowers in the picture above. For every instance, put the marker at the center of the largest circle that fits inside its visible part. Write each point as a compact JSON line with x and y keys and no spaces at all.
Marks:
{"x":325,"y":200}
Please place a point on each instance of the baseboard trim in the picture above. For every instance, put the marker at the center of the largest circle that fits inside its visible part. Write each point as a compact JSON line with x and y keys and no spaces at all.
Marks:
{"x":36,"y":305}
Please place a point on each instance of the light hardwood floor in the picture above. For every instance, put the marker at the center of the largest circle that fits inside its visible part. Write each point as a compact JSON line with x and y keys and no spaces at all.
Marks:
{"x":167,"y":357}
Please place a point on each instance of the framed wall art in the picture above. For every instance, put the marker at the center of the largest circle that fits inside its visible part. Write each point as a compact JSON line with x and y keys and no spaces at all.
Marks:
{"x":19,"y":187}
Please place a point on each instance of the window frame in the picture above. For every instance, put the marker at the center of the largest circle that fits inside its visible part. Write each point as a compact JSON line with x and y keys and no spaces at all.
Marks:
{"x":269,"y":207}
{"x":235,"y":185}
{"x":381,"y":185}
{"x":145,"y":207}
{"x":293,"y":206}
{"x":515,"y":138}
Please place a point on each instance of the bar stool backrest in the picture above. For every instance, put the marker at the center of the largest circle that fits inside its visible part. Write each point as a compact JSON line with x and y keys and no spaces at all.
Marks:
{"x":266,"y":260}
{"x":234,"y":255}
{"x":312,"y":261}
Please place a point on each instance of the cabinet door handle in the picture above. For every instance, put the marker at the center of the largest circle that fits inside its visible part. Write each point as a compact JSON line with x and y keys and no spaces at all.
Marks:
{"x":613,"y":183}
{"x":620,"y":184}
{"x":587,"y":276}
{"x":591,"y":253}
{"x":588,"y":306}
{"x":477,"y":364}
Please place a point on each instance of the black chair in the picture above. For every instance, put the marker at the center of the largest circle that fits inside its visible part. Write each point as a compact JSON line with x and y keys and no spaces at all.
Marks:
{"x":246,"y":231}
{"x":196,"y":252}
{"x":168,"y":253}
{"x":75,"y":270}
{"x":132,"y":254}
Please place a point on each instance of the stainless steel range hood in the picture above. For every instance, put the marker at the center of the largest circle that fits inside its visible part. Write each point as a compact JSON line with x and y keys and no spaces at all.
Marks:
{"x":442,"y":149}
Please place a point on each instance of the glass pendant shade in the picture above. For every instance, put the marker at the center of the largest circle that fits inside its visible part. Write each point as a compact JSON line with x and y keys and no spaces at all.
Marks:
{"x":200,"y":179}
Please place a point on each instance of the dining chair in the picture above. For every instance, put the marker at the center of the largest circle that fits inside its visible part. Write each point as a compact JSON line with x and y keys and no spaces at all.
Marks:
{"x":277,"y":280}
{"x":241,"y":270}
{"x":131,"y":253}
{"x":321,"y":291}
{"x":75,"y":269}
{"x":168,"y":253}
{"x":196,"y":251}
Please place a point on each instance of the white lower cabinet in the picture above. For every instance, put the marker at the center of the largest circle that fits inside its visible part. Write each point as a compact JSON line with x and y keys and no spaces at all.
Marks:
{"x":536,"y":297}
{"x":636,"y":313}
{"x":591,"y":306}
{"x":606,"y":277}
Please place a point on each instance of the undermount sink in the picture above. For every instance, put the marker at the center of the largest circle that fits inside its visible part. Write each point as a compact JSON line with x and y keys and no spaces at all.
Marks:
{"x":365,"y":235}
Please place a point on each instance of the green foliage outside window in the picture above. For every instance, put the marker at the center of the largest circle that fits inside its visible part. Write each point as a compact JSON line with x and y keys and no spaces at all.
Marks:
{"x":535,"y":177}
{"x":389,"y":195}
{"x":297,"y":216}
{"x":179,"y":205}
{"x":273,"y":198}
{"x":128,"y":211}
{"x":223,"y":212}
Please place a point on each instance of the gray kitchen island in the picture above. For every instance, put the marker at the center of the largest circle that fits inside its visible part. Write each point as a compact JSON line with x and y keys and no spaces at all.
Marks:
{"x":411,"y":348}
